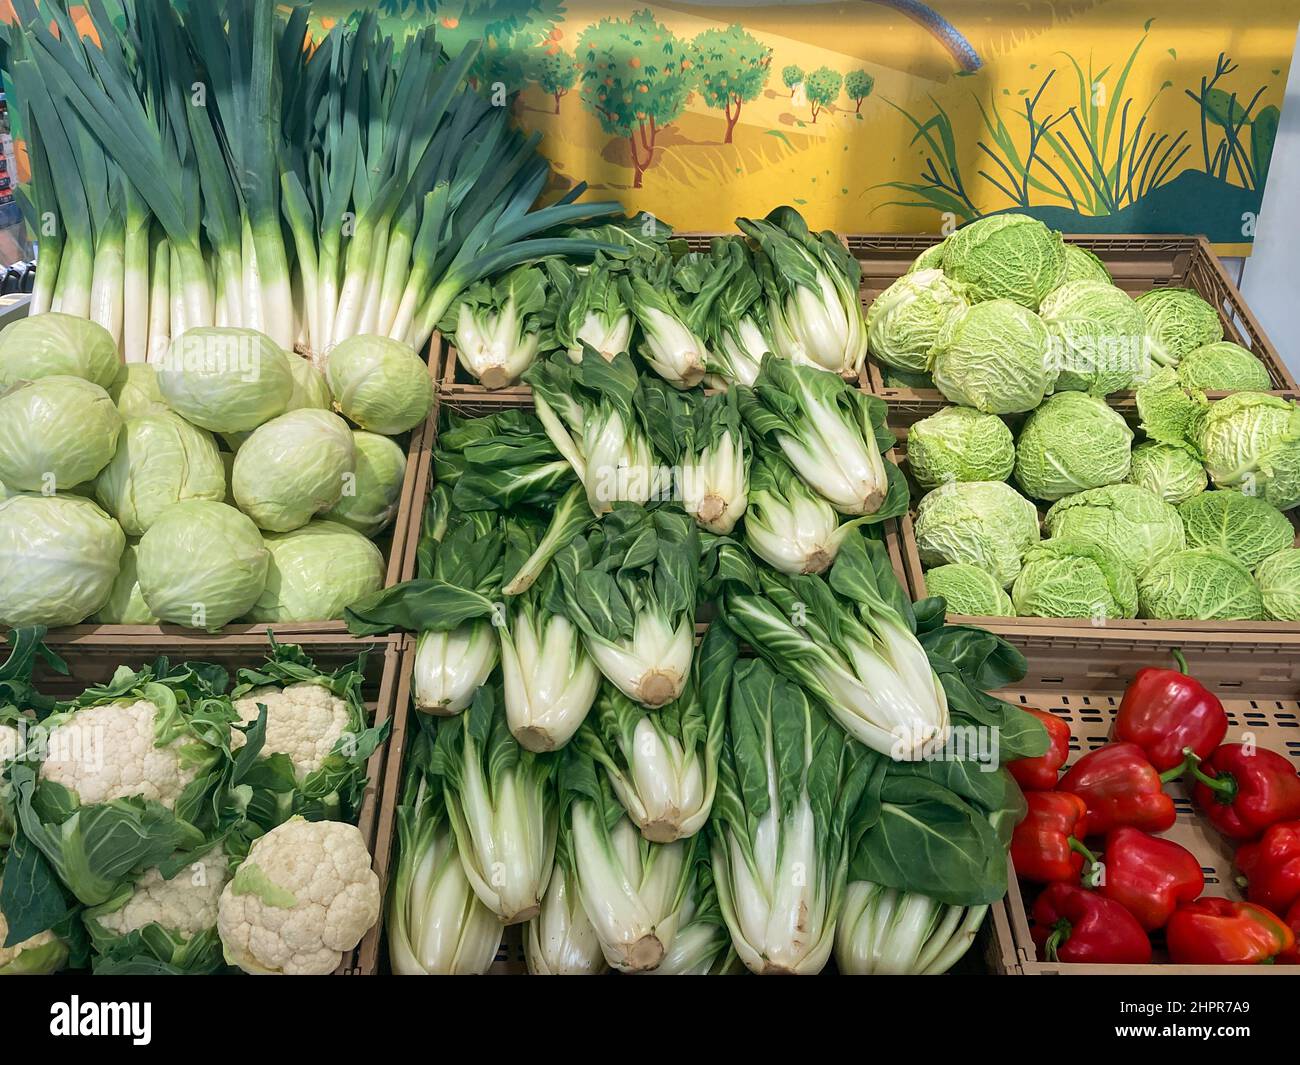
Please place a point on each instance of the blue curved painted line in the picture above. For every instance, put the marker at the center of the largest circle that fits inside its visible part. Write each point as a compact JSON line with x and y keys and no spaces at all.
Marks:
{"x":960,"y":48}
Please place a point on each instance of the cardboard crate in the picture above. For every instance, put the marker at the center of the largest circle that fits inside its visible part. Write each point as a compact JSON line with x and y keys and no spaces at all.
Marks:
{"x":1081,"y":679}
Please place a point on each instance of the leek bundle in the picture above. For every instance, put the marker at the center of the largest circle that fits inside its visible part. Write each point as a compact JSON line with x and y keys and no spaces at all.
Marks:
{"x":885,"y":932}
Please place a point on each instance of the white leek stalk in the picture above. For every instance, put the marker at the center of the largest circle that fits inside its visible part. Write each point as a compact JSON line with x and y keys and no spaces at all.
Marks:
{"x":550,"y":681}
{"x":886,"y":932}
{"x":652,"y":667}
{"x":451,"y":666}
{"x":560,"y":941}
{"x":714,"y":484}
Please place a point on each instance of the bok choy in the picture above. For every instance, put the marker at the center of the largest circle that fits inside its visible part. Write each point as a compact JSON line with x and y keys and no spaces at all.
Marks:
{"x":590,"y":309}
{"x":885,"y":932}
{"x":561,"y":941}
{"x":499,"y":327}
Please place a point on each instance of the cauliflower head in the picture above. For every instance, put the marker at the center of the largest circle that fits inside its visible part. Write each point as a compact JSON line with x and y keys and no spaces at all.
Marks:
{"x":108,"y":752}
{"x":303,"y":721}
{"x":303,"y":897}
{"x":43,"y":953}
{"x":10,"y":743}
{"x":186,"y":904}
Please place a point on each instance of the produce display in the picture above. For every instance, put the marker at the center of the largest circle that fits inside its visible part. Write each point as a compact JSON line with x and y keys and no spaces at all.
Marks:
{"x":1034,"y":479}
{"x":180,"y":820}
{"x":1108,"y":887}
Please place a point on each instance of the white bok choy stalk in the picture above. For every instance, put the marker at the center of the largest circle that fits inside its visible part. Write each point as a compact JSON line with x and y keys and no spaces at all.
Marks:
{"x":502,"y":805}
{"x":436,"y":924}
{"x":630,"y":585}
{"x":738,"y":332}
{"x":451,"y":666}
{"x":635,"y":892}
{"x":812,"y":285}
{"x":561,"y":941}
{"x":663,"y":764}
{"x":590,"y":309}
{"x":886,"y":932}
{"x":500,"y":326}
{"x":831,"y":434}
{"x":702,"y":945}
{"x":591,"y":413}
{"x":853,"y":648}
{"x":789,"y":526}
{"x":790,"y":782}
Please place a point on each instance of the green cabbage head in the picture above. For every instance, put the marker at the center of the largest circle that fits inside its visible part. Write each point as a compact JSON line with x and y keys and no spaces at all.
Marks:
{"x":1223,"y":367}
{"x":379,"y":384}
{"x":136,"y":391}
{"x":1245,"y":527}
{"x":1278,"y":577}
{"x":1167,"y":470}
{"x":996,"y":357}
{"x":316,"y":572}
{"x":55,"y":433}
{"x":969,"y":590}
{"x":1071,"y":443}
{"x":59,"y":556}
{"x":370,"y":500}
{"x":62,"y":345}
{"x":1200,"y":584}
{"x":1006,"y":256}
{"x":984,"y":523}
{"x":1135,"y":526}
{"x":1074,"y":579}
{"x":1097,"y":337}
{"x":931,"y":258}
{"x":1250,"y":441}
{"x":126,"y":605}
{"x":1082,"y":265}
{"x":904,"y":321}
{"x":309,"y":387}
{"x":960,"y":444}
{"x":1177,"y":321}
{"x":225,"y":380}
{"x":294,"y":467}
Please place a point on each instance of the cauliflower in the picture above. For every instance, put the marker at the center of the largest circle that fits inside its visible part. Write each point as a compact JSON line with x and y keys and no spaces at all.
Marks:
{"x":303,"y":721}
{"x":304,"y":895}
{"x":10,"y":743}
{"x":108,"y":752}
{"x":43,"y":953}
{"x":185,"y":904}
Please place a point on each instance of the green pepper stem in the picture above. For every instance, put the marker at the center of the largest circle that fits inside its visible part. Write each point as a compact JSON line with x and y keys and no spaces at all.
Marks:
{"x":1093,"y":867}
{"x":1182,"y":662}
{"x":1224,"y":785}
{"x":1060,"y":934}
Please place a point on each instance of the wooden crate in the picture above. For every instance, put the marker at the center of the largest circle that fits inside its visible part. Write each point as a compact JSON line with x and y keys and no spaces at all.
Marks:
{"x":1081,"y":678}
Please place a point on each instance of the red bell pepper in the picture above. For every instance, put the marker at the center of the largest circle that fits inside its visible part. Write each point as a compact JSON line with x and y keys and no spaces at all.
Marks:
{"x":1271,"y":868}
{"x":1150,"y":877}
{"x":1040,"y":774}
{"x":1213,"y":931}
{"x":1120,"y":787}
{"x":1164,"y":711}
{"x":1292,"y":956}
{"x":1071,"y":924}
{"x":1046,"y":846}
{"x":1244,"y":789}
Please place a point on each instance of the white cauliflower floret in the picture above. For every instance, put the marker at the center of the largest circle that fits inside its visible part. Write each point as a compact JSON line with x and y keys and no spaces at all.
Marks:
{"x":10,"y":743}
{"x":107,"y":752}
{"x":43,"y":953}
{"x":186,"y":904}
{"x":304,"y":895}
{"x":303,"y":721}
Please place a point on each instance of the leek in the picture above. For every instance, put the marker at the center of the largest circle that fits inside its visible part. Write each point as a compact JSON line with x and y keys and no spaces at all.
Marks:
{"x":887,"y":932}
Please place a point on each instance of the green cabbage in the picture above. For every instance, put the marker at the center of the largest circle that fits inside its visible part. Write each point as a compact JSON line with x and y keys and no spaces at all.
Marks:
{"x":126,"y":605}
{"x":1082,"y":265}
{"x":1278,"y":577}
{"x":225,"y":380}
{"x":1071,"y":443}
{"x":1245,"y":527}
{"x":996,"y":357}
{"x":316,"y":572}
{"x":309,"y":387}
{"x":960,"y":444}
{"x":135,"y":391}
{"x":161,"y":459}
{"x":1171,"y":472}
{"x":1006,"y":256}
{"x":58,"y":558}
{"x":1168,"y":412}
{"x":1223,"y":367}
{"x":62,"y":345}
{"x":55,"y":433}
{"x":1177,"y":321}
{"x":1097,"y":337}
{"x":201,"y":564}
{"x":1200,"y":584}
{"x":931,"y":258}
{"x":984,"y":523}
{"x":370,"y":500}
{"x":904,"y":321}
{"x":1135,"y":526}
{"x":969,"y":590}
{"x":294,"y":467}
{"x":1251,"y":442}
{"x":895,"y":378}
{"x":380,"y":384}
{"x":1074,"y":579}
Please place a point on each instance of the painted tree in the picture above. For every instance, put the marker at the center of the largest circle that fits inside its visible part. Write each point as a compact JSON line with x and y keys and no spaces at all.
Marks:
{"x":858,"y":85}
{"x":822,"y":88}
{"x":792,"y":76}
{"x":555,"y":73}
{"x":635,"y":77}
{"x":730,"y":67}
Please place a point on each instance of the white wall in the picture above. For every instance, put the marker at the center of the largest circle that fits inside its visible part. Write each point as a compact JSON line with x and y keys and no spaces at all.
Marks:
{"x":1272,"y":273}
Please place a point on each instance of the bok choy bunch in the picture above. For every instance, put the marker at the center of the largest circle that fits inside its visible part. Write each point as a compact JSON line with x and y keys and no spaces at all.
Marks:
{"x":663,"y":766}
{"x":789,"y":785}
{"x":502,"y":804}
{"x":848,"y":640}
{"x":436,"y":924}
{"x":590,"y":309}
{"x":886,"y":932}
{"x":630,"y":587}
{"x":702,"y":945}
{"x":812,"y":287}
{"x":500,"y":326}
{"x":738,"y":333}
{"x":829,"y":432}
{"x":561,"y":940}
{"x":590,"y":412}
